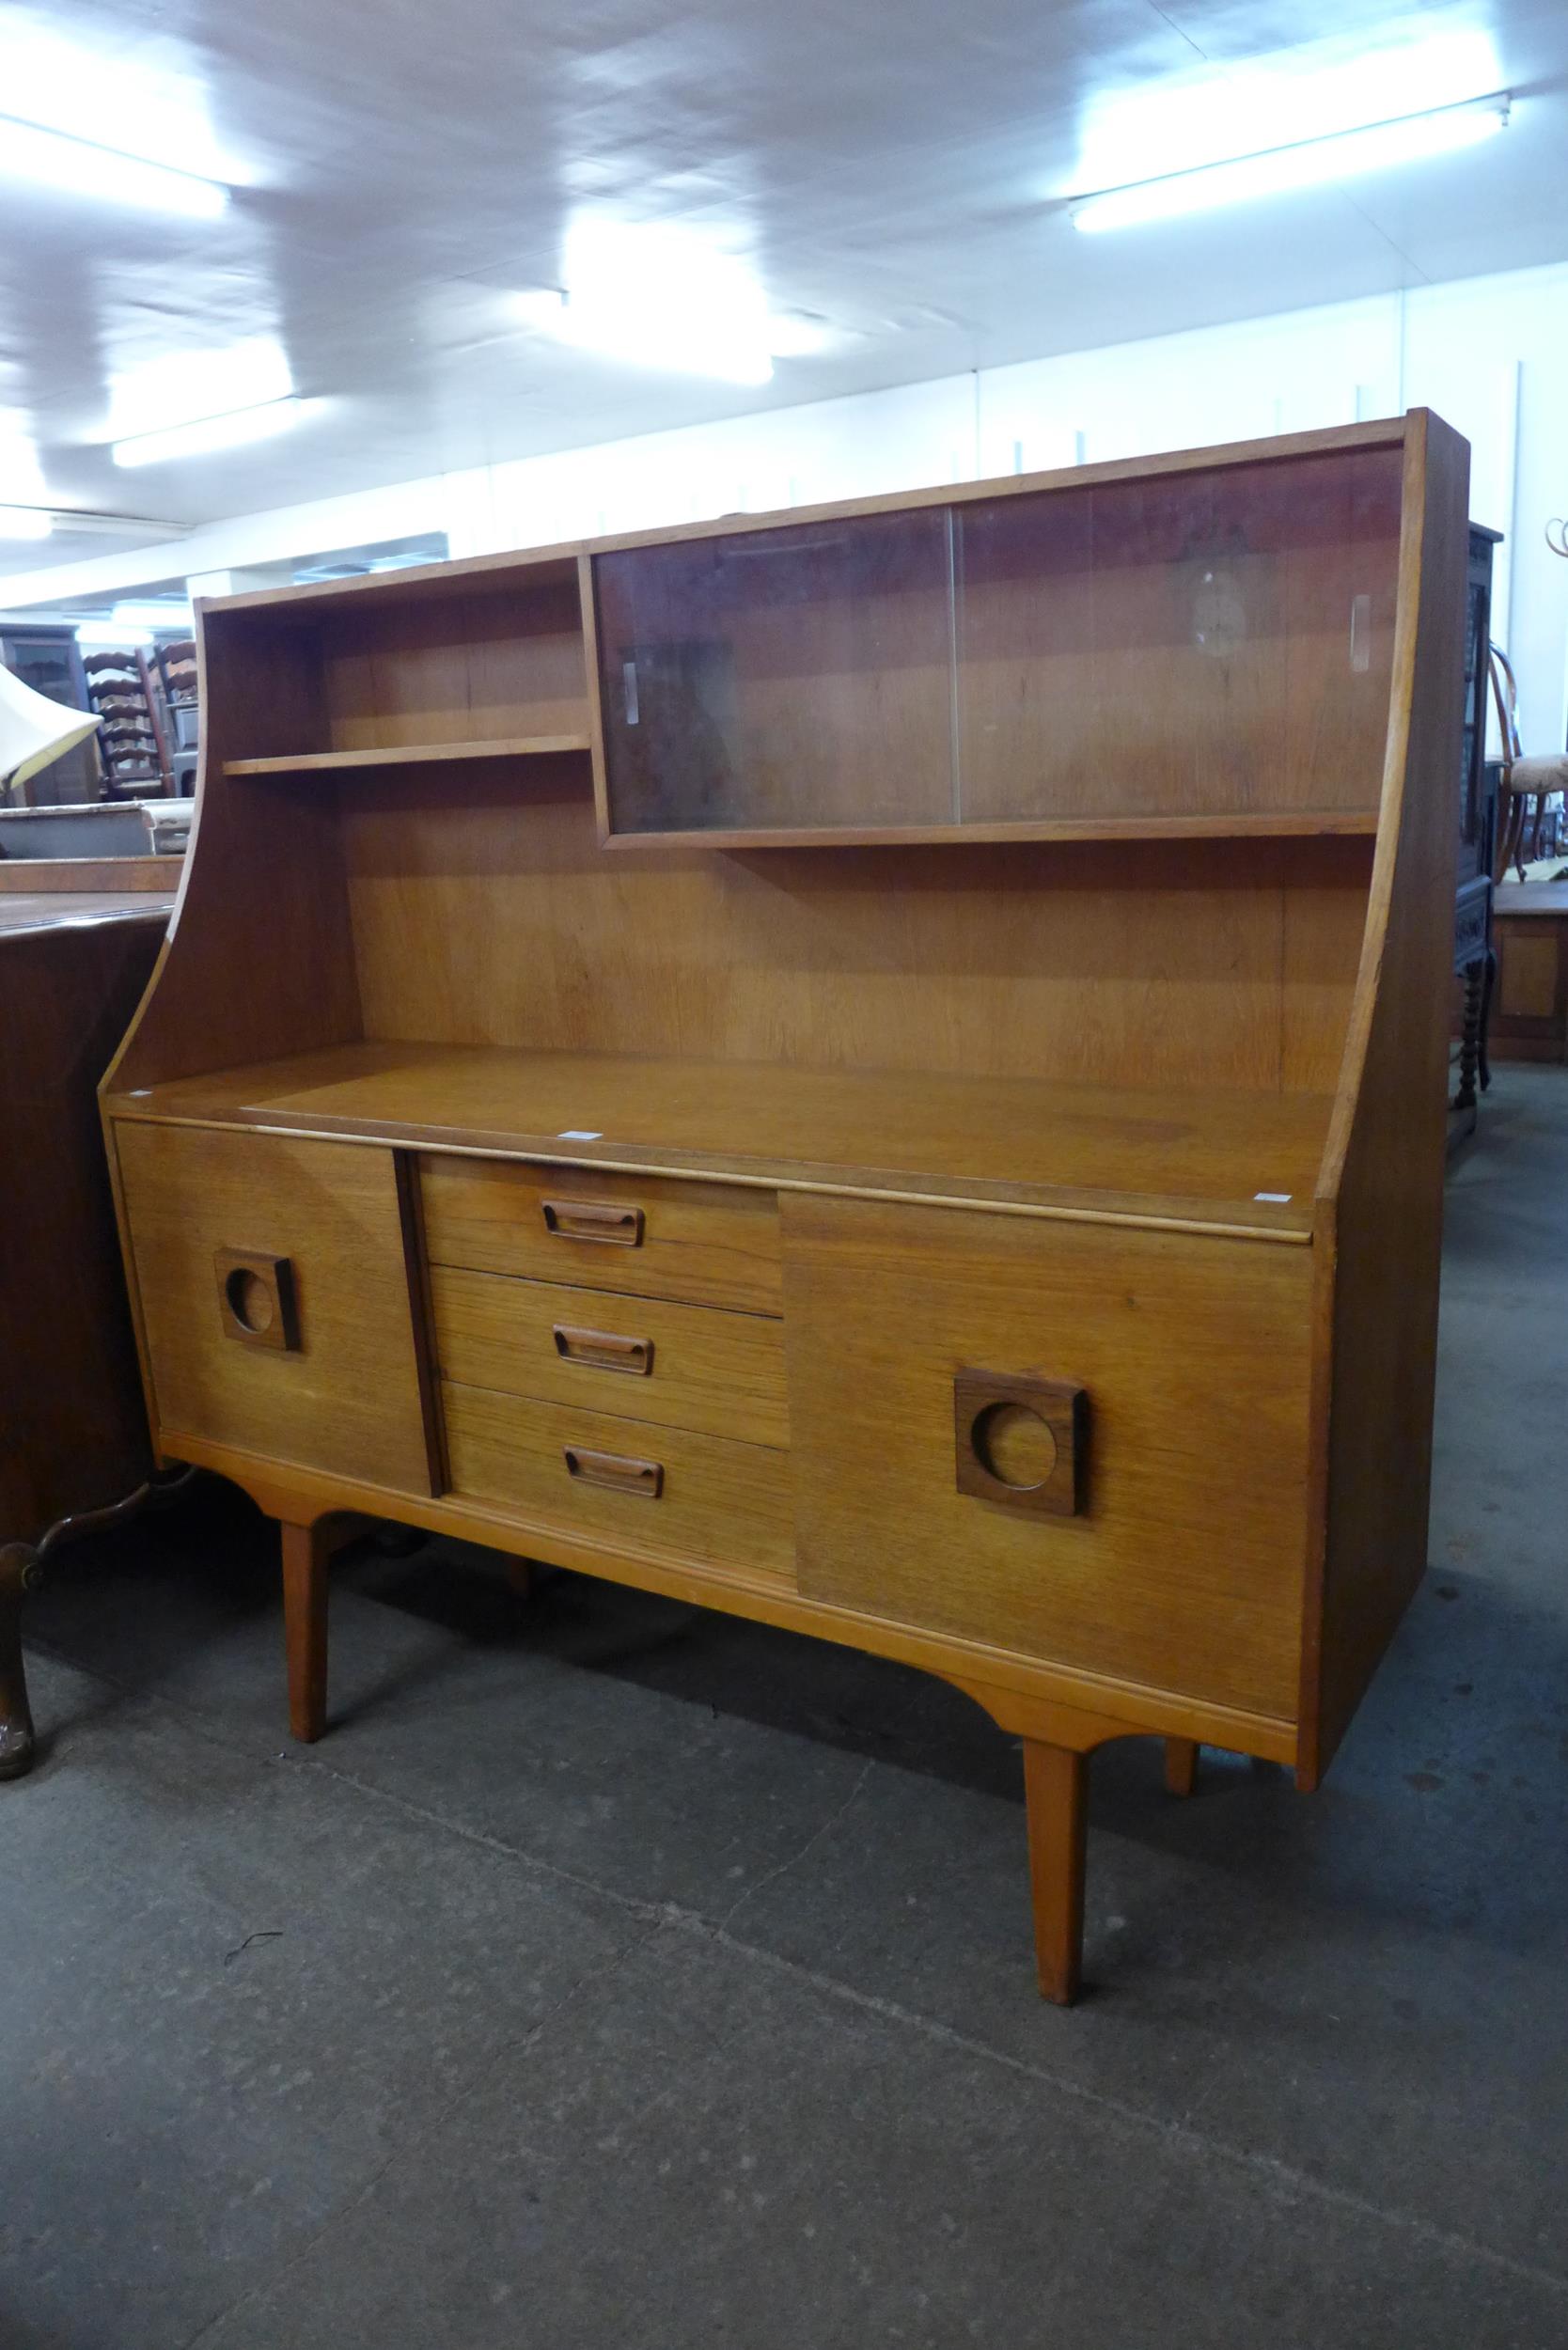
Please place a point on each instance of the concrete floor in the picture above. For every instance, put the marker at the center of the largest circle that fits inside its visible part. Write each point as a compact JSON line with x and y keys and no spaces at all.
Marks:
{"x":615,"y":1977}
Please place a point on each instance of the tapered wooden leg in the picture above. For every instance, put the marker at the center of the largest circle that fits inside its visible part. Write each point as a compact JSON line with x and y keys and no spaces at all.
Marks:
{"x":16,"y":1720}
{"x":1056,"y":1786}
{"x":1181,"y":1765}
{"x":306,"y":1552}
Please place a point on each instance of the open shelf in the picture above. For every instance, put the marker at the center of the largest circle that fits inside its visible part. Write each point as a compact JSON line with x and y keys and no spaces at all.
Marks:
{"x":407,"y":755}
{"x":1239,"y":1160}
{"x":1259,"y":824}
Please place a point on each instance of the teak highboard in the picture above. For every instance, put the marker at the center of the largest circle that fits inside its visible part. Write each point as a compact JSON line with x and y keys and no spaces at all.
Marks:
{"x":881,"y":1068}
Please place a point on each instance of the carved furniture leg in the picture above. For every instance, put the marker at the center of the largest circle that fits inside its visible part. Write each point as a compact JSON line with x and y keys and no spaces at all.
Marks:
{"x":1469,"y":1037}
{"x":16,"y":1569}
{"x":306,"y":1552}
{"x":1181,"y":1765}
{"x":1056,"y":1785}
{"x":22,"y":1566}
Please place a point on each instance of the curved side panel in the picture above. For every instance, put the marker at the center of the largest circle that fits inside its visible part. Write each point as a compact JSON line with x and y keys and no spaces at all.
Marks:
{"x":258,"y":960}
{"x":1380,"y":1197}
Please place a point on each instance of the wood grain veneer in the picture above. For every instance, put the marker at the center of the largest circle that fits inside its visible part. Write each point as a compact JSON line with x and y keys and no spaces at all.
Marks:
{"x":642,"y":1357}
{"x":1149,"y":1154}
{"x":347,"y":1395}
{"x":1184,"y":1570}
{"x":723,"y":1502}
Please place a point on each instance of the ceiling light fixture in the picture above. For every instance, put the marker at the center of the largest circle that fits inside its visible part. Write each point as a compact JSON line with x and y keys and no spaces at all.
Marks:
{"x":658,"y":297}
{"x":78,"y":166}
{"x":144,"y":620}
{"x":1310,"y":163}
{"x":202,"y":435}
{"x":26,"y":521}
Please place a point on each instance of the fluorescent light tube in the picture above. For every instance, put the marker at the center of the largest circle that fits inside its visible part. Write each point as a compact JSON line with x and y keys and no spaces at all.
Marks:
{"x":26,"y":521}
{"x":57,"y":158}
{"x":1309,"y":163}
{"x":141,"y":619}
{"x":206,"y":434}
{"x":659,"y":297}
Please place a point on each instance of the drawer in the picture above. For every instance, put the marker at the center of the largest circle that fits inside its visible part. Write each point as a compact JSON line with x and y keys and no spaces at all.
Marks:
{"x":643,"y":1359}
{"x":319,"y":1365}
{"x":623,"y":1482}
{"x":1176,"y":1559}
{"x":705,"y":1243}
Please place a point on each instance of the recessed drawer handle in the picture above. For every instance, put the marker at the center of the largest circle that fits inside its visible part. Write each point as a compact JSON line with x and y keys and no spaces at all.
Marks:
{"x":589,"y":1219}
{"x":615,"y":1472}
{"x":603,"y":1350}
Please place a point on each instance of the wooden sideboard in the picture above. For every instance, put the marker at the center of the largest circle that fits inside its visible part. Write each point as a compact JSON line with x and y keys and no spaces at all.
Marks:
{"x":880,"y":1067}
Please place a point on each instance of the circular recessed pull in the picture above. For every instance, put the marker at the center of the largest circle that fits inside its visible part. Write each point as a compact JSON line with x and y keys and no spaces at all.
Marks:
{"x":255,"y":1297}
{"x":1014,"y":1446}
{"x":250,"y":1301}
{"x":1021,"y":1440}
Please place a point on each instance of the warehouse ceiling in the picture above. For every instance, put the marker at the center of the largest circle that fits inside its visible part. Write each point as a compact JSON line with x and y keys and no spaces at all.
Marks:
{"x":882,"y":189}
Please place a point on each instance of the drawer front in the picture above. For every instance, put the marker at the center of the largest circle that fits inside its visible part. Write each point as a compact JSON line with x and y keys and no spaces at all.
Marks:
{"x":308,"y":1239}
{"x":1175,"y":1558}
{"x":704,"y":1243}
{"x":623,"y":1482}
{"x":638,"y":1357}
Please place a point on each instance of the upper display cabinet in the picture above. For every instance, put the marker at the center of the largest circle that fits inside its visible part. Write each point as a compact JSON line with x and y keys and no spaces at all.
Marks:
{"x":1201,"y":648}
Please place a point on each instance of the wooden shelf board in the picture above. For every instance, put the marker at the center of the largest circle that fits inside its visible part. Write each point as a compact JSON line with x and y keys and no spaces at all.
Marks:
{"x":1269,"y":825}
{"x":1147,"y":1154}
{"x":62,"y":909}
{"x":154,"y":876}
{"x":408,"y":755}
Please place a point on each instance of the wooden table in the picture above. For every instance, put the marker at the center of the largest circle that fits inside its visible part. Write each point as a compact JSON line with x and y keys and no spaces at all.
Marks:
{"x":1530,"y":1006}
{"x":72,"y":967}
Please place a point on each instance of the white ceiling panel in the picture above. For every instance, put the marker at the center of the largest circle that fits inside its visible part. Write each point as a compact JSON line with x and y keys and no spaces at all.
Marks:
{"x":895,"y":169}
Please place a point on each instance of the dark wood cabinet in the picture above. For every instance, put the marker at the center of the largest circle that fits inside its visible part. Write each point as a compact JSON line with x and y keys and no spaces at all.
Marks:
{"x":74,"y":1436}
{"x":1478,"y":815}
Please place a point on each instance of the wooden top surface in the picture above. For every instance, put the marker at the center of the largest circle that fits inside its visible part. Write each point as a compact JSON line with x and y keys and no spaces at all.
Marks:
{"x":1530,"y":897}
{"x":59,"y":909}
{"x":113,"y":876}
{"x":1151,"y":1154}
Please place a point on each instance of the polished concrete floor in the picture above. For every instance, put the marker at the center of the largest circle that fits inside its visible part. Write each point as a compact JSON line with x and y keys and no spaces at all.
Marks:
{"x":619,"y":1977}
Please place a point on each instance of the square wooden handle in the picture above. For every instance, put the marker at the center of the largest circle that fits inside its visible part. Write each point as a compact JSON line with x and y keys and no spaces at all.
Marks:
{"x":1021,"y":1441}
{"x":256,"y":1298}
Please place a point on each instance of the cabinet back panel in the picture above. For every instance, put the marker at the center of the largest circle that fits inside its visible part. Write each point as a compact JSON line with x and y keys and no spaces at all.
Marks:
{"x":484,"y":913}
{"x":477,"y":669}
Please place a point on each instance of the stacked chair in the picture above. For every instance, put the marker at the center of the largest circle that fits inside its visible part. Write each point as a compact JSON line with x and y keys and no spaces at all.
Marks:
{"x":132,"y":741}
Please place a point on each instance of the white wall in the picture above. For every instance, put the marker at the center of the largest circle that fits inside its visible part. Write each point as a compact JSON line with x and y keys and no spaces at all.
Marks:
{"x":1489,"y":354}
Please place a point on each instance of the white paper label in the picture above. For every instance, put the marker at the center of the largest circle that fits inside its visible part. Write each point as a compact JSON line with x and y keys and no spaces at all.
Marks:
{"x":1274,"y":1198}
{"x":578,"y":1133}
